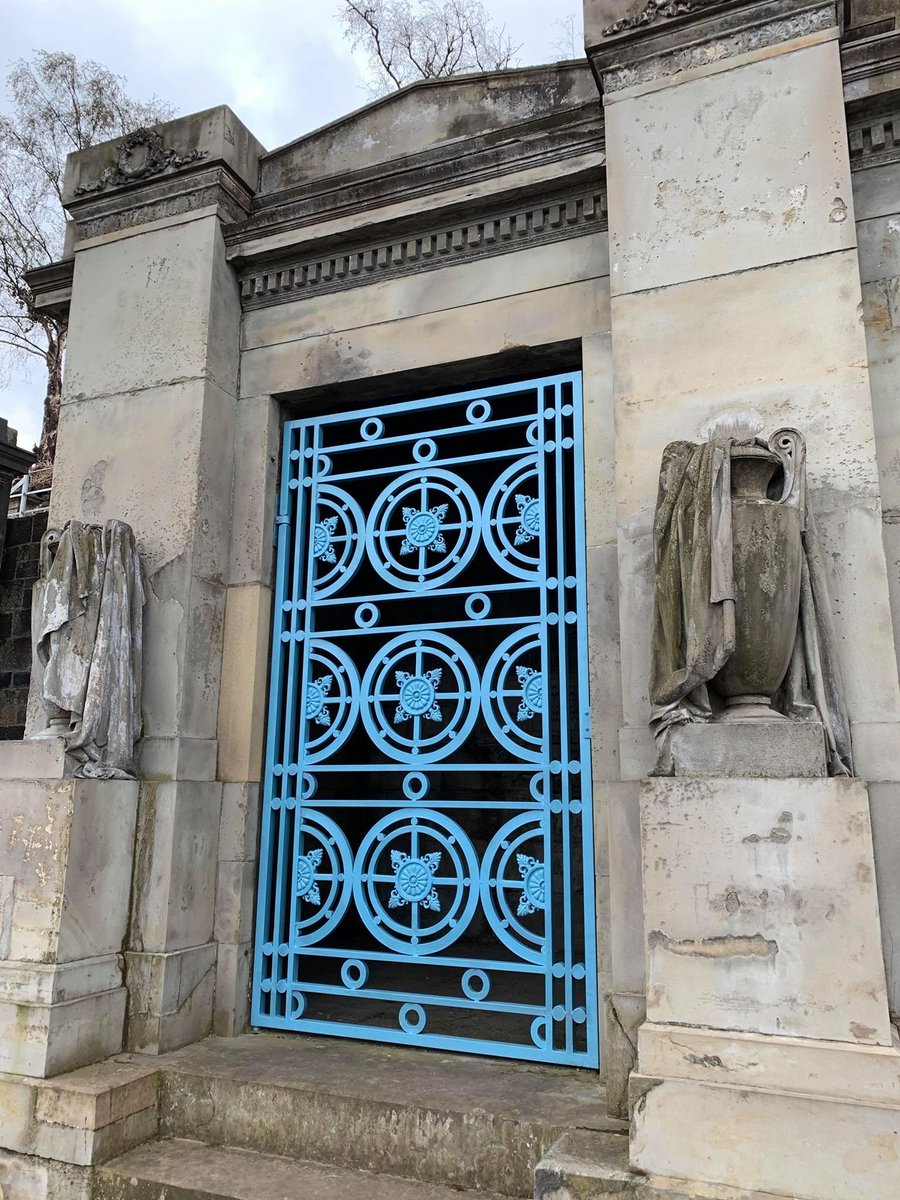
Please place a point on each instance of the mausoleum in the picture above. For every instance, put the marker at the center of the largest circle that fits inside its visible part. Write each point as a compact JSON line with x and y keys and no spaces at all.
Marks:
{"x":508,"y":644}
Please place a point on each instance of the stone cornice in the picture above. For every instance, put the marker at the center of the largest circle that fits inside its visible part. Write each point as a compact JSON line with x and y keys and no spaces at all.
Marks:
{"x":415,"y":177}
{"x":670,"y":36}
{"x":100,"y":212}
{"x":51,"y":287}
{"x":535,"y":222}
{"x":14,"y":460}
{"x":870,"y":57}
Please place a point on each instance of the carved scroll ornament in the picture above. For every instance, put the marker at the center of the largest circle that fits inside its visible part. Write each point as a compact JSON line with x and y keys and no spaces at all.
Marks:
{"x":142,"y":153}
{"x":657,"y":10}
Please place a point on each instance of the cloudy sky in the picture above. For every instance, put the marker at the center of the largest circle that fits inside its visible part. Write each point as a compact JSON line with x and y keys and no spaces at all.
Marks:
{"x":282,"y":65}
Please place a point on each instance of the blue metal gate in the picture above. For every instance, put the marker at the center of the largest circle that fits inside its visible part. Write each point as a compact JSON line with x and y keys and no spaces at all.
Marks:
{"x":426,"y":866}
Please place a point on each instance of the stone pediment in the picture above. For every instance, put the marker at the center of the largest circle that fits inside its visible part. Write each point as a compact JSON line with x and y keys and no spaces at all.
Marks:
{"x":425,"y":116}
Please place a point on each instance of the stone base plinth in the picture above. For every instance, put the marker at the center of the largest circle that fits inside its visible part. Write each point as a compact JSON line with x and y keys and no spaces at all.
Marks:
{"x":760,"y":908}
{"x":749,"y":749}
{"x":768,"y":1064}
{"x":42,"y":1037}
{"x":170,"y":998}
{"x":53,"y":1131}
{"x":66,"y":850}
{"x":35,"y":758}
{"x":748,"y":1115}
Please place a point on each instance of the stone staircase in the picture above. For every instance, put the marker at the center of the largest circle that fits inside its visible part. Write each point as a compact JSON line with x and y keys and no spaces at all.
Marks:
{"x":270,"y":1117}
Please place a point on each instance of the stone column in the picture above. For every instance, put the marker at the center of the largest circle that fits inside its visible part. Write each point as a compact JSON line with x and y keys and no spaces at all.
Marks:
{"x":146,"y":434}
{"x":735,"y":285}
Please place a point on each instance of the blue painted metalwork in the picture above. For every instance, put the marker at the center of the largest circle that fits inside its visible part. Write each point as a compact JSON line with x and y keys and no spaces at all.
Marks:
{"x":426,"y":868}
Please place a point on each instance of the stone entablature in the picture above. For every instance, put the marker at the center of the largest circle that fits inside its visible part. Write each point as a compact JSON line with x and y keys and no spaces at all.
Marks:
{"x":875,"y":142}
{"x":502,"y":233}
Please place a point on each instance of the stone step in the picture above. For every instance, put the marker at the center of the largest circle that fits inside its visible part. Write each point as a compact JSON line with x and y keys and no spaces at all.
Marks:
{"x":589,"y":1165}
{"x":447,"y":1119}
{"x":180,"y":1169}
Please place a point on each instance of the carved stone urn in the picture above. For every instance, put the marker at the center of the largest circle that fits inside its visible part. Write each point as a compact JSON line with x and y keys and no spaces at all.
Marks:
{"x":767,"y":527}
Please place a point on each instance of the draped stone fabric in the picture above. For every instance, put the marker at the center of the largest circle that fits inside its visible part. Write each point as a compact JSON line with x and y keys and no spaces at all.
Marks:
{"x":693,"y":626}
{"x":87,"y":631}
{"x":694,"y":618}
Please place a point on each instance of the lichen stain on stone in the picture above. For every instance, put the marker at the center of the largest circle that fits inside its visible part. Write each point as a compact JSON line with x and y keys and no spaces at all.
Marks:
{"x":728,"y":946}
{"x":697,"y":210}
{"x":778,"y":835}
{"x":862,"y":1033}
{"x":710,"y":1061}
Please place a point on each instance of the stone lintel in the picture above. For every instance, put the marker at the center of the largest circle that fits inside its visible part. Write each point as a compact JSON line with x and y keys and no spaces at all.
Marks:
{"x":174,"y":167}
{"x":630,"y":42}
{"x":749,"y":749}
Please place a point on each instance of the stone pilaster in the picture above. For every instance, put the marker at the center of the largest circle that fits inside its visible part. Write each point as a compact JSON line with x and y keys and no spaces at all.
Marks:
{"x":147,"y":431}
{"x":735,"y":285}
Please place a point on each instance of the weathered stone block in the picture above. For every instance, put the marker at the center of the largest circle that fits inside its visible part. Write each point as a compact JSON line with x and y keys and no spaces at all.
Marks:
{"x":67,"y":847}
{"x":242,"y":697}
{"x":624,"y":1016}
{"x":623,"y":855}
{"x":46,"y":1039}
{"x":44,"y":758}
{"x":163,"y":758}
{"x":175,"y":885}
{"x":235,"y":895}
{"x":232,"y":1007}
{"x":752,"y":749}
{"x":26,"y":1178}
{"x":170,"y":998}
{"x":760,"y":908}
{"x":754,"y":1140}
{"x":239,"y":824}
{"x":690,"y":219}
{"x":97,"y":1095}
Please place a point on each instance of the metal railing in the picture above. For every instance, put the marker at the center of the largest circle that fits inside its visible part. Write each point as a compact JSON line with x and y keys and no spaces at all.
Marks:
{"x":23,"y":498}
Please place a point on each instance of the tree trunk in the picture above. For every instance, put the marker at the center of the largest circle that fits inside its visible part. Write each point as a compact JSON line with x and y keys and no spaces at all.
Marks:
{"x":56,"y":341}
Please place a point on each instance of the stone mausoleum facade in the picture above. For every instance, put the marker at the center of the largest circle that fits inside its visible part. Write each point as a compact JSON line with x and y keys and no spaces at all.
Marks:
{"x":385,"y":409}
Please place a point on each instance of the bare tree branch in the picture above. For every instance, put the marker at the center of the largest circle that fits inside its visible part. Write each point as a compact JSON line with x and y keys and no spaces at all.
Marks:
{"x":568,"y":42}
{"x":407,"y":40}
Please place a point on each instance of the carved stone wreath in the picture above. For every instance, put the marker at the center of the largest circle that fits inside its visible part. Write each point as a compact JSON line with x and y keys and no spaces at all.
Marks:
{"x":142,"y":153}
{"x":657,"y":10}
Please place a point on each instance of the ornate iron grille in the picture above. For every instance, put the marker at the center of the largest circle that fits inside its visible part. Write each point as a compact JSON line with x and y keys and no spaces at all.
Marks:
{"x":426,"y":861}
